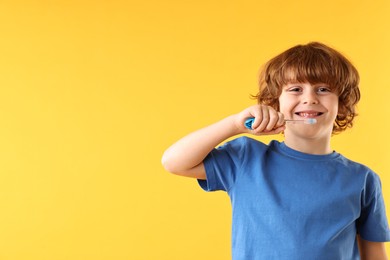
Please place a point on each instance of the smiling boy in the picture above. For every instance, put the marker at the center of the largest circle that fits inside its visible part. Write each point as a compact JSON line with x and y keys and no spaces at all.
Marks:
{"x":296,"y":199}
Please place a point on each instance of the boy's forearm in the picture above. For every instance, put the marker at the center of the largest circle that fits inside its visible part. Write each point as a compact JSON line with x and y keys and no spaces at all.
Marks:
{"x":191,"y":150}
{"x":186,"y":156}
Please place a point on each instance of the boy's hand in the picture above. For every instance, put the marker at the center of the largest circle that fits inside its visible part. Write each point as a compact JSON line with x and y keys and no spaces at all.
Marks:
{"x":267,"y":121}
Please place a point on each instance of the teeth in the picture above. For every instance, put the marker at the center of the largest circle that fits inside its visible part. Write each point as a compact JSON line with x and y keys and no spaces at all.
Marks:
{"x":308,"y":114}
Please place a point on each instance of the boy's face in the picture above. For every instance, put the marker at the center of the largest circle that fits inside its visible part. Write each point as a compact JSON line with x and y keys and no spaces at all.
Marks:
{"x":304,"y":100}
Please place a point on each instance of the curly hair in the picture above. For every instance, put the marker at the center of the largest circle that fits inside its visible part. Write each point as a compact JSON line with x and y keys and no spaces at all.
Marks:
{"x":313,"y":63}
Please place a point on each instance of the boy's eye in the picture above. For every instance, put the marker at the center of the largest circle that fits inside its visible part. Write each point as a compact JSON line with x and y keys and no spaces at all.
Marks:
{"x":324,"y":89}
{"x":294,"y":89}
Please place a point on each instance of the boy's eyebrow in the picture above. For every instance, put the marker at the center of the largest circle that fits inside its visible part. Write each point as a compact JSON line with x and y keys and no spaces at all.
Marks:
{"x":293,"y":83}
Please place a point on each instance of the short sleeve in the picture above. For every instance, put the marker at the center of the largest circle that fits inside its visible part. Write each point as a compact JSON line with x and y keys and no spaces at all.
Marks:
{"x":372,"y":224}
{"x":222,"y":165}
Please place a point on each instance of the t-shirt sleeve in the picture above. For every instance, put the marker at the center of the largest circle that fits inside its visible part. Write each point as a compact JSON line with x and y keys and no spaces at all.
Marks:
{"x":222,"y":165}
{"x":372,"y":224}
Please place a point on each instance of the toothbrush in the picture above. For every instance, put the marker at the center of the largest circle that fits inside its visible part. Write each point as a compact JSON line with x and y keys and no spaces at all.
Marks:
{"x":309,"y":121}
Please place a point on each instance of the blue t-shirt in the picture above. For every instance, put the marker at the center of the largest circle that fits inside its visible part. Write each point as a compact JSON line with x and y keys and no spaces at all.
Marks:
{"x":291,"y":205}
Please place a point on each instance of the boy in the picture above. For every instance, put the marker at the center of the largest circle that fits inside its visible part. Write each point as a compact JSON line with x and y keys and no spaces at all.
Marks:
{"x":296,"y":199}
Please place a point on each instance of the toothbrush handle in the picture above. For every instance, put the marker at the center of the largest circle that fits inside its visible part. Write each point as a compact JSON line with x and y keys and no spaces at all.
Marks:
{"x":248,"y":123}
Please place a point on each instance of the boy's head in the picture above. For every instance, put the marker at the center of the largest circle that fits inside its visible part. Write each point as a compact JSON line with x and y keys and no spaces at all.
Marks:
{"x":313,"y":63}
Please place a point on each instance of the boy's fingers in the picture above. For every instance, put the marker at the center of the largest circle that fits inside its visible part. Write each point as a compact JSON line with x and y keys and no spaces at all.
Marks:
{"x":273,"y":120}
{"x":265,"y":116}
{"x":257,"y":114}
{"x":280,"y":119}
{"x":266,"y":120}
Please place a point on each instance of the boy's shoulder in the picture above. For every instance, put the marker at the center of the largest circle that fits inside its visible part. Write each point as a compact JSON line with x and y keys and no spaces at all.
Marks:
{"x":352,"y":164}
{"x":244,"y":147}
{"x":246,"y":143}
{"x":246,"y":140}
{"x":359,"y":172}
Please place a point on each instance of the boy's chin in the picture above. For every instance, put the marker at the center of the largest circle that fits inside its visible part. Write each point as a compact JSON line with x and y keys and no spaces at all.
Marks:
{"x":307,"y":132}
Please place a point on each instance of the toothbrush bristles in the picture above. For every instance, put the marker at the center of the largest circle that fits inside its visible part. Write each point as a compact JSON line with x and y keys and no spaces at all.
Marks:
{"x":311,"y":121}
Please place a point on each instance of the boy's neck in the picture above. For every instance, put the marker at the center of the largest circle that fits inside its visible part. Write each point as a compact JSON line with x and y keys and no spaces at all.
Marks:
{"x":309,"y":146}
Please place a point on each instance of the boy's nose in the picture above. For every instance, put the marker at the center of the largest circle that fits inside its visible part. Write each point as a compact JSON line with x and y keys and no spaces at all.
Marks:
{"x":310,"y":98}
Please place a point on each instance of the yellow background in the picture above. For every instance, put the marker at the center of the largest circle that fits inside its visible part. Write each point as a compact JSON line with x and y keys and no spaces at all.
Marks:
{"x":93,"y":92}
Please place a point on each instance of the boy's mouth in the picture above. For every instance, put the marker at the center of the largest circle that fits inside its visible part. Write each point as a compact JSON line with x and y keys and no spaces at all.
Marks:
{"x":308,"y":114}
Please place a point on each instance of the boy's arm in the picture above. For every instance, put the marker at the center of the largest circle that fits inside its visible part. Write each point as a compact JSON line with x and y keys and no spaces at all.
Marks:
{"x":371,"y":250}
{"x":185,"y":157}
